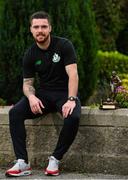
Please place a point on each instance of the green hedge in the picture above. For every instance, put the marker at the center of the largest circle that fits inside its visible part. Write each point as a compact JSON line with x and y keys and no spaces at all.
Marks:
{"x":110,"y":61}
{"x":71,"y":19}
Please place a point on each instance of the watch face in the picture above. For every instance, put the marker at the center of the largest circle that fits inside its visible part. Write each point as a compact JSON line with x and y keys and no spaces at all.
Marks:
{"x":72,"y":98}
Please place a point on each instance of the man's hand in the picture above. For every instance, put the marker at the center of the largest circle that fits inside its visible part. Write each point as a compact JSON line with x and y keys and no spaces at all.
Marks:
{"x":35,"y":104}
{"x":68,"y":108}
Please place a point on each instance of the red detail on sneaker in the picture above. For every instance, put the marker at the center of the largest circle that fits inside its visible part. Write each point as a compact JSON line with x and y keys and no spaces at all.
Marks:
{"x":17,"y":171}
{"x":56,"y":172}
{"x":14,"y":172}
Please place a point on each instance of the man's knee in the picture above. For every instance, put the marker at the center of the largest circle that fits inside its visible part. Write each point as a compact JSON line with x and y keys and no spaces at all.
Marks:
{"x":75,"y":116}
{"x":72,"y":119}
{"x":76,"y":113}
{"x":11,"y":111}
{"x":14,"y":112}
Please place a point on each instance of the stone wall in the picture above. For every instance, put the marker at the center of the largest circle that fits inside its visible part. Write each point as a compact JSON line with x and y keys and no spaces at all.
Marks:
{"x":101,"y":145}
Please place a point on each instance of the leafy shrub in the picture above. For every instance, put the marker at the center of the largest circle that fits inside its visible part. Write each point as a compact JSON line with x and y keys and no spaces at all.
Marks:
{"x":124,"y":78}
{"x":110,"y":61}
{"x":122,"y":97}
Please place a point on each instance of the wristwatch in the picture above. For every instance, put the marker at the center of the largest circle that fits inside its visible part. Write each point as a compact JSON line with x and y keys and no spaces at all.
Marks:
{"x":72,"y":98}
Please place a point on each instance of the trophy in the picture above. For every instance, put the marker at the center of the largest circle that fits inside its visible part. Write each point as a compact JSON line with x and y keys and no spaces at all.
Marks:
{"x":108,"y":104}
{"x":111,"y":103}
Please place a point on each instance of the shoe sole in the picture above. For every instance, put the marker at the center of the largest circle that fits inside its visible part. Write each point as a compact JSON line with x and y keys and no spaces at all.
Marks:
{"x":24,"y":173}
{"x":51,"y":174}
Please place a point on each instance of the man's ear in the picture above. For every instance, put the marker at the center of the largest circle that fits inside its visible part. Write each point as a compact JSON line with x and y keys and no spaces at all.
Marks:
{"x":31,"y":29}
{"x":50,"y":28}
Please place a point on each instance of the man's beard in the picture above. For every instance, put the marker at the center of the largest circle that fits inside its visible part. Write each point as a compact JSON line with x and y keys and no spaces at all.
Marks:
{"x":42,"y":41}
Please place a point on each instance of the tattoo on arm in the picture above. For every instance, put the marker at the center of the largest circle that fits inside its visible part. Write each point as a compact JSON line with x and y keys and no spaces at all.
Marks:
{"x":31,"y":90}
{"x":28,"y":87}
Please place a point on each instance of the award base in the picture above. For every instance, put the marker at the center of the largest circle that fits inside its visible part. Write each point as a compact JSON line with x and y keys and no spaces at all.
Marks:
{"x":108,"y":105}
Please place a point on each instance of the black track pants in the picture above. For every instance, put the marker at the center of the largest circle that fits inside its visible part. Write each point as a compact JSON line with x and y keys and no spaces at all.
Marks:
{"x":53,"y":101}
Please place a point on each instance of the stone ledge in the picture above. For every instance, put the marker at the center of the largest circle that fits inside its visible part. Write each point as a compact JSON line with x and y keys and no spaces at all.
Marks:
{"x":89,"y":116}
{"x":101,"y":145}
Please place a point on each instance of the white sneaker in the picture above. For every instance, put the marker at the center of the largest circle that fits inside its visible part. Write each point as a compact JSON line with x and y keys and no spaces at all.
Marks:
{"x":53,"y":167}
{"x":19,"y":169}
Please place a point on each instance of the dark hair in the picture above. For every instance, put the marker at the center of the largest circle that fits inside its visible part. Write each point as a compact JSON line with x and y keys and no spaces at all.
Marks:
{"x":40,"y":15}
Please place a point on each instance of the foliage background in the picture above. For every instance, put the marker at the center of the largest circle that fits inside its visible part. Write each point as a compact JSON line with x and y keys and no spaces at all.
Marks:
{"x":15,"y":38}
{"x":90,"y":25}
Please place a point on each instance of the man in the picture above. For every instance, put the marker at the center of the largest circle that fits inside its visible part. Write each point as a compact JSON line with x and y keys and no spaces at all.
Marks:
{"x":54,"y":59}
